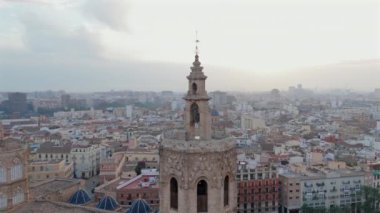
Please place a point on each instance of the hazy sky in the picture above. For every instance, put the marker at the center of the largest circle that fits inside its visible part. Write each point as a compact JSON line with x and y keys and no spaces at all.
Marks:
{"x":88,"y":45}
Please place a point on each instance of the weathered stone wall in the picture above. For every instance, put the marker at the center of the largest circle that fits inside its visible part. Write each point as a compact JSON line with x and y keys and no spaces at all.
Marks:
{"x":8,"y":159}
{"x":191,"y":161}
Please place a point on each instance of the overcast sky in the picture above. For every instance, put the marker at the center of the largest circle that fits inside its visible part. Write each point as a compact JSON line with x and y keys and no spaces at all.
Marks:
{"x":252,"y":45}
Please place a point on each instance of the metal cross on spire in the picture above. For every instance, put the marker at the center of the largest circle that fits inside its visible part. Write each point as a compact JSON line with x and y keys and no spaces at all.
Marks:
{"x":196,"y":43}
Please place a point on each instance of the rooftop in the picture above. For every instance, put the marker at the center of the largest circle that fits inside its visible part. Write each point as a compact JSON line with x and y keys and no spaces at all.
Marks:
{"x":48,"y":207}
{"x":146,"y":179}
{"x":50,"y":147}
{"x":317,"y":174}
{"x":41,"y":189}
{"x":52,"y":161}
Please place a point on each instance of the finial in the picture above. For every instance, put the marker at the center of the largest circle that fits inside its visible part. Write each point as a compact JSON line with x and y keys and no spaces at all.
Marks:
{"x":196,"y":43}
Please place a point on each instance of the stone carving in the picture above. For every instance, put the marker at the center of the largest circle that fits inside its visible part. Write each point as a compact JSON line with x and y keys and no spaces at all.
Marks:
{"x":16,"y":161}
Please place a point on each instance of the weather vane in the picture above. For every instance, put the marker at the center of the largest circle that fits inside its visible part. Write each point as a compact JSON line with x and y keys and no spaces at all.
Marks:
{"x":196,"y":42}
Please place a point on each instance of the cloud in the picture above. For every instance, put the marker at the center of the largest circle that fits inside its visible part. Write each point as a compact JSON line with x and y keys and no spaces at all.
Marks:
{"x":46,"y":36}
{"x":29,"y":1}
{"x":53,"y":3}
{"x":54,"y":48}
{"x":356,"y":75}
{"x":112,"y":13}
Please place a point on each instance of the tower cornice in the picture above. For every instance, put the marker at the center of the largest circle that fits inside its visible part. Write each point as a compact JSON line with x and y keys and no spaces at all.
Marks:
{"x":190,"y":77}
{"x":193,"y":98}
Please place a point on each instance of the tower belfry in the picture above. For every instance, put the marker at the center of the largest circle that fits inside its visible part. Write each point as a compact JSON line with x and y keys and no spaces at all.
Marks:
{"x":197,"y":111}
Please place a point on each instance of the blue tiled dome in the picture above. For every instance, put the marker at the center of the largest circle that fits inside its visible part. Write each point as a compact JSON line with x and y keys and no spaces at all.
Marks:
{"x":139,"y":206}
{"x":214,"y":112}
{"x":107,"y":203}
{"x":80,"y":197}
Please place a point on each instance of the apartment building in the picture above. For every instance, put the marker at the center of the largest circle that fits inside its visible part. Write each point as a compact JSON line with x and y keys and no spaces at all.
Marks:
{"x":84,"y":156}
{"x":319,"y":189}
{"x":111,"y":167}
{"x":43,"y":170}
{"x":258,"y":188}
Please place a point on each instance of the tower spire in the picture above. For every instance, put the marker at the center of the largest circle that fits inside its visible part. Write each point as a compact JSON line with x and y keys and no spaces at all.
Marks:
{"x":196,"y":43}
{"x":197,"y":116}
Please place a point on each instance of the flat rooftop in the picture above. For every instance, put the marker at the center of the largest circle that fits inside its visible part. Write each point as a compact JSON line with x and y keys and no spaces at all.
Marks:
{"x":51,"y":186}
{"x":47,"y":207}
{"x":52,"y":161}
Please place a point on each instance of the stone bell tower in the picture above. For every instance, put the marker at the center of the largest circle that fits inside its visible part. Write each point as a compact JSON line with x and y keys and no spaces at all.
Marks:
{"x":197,"y":111}
{"x":197,"y":173}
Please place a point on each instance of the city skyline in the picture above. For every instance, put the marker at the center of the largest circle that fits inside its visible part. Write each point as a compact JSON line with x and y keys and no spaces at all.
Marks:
{"x":122,"y":106}
{"x":85,"y":46}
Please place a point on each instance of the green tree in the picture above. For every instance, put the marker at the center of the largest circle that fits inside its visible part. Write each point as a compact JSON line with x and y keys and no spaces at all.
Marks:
{"x":371,"y":197}
{"x":140,"y":165}
{"x":335,"y":209}
{"x":138,"y":169}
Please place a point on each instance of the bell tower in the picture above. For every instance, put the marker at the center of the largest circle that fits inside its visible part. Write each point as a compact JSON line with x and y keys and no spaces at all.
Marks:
{"x":197,"y":111}
{"x":197,"y":174}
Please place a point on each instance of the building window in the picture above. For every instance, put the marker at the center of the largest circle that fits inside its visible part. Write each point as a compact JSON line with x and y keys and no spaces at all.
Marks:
{"x":202,"y":196}
{"x":226,"y":190}
{"x":3,"y":175}
{"x":194,"y":114}
{"x":173,"y":193}
{"x":3,"y":201}
{"x":18,"y":196}
{"x":194,"y":88}
{"x":16,"y":171}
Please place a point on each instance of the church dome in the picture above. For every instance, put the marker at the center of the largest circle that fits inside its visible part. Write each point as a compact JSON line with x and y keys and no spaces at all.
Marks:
{"x":214,"y":112}
{"x":80,"y":197}
{"x":139,"y":206}
{"x":107,"y":203}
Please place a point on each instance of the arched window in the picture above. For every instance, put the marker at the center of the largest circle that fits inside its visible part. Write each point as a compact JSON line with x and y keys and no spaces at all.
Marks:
{"x":194,"y":113}
{"x":173,"y":193}
{"x":16,"y":170}
{"x":202,"y":196}
{"x":3,"y":175}
{"x":226,"y":190}
{"x":3,"y":201}
{"x":194,"y":88}
{"x":18,"y":196}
